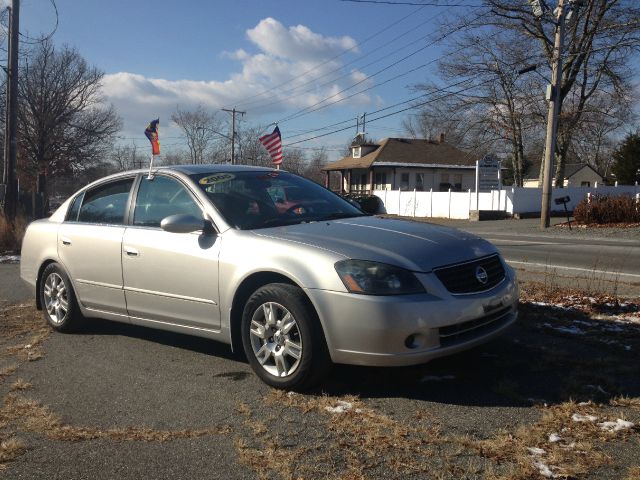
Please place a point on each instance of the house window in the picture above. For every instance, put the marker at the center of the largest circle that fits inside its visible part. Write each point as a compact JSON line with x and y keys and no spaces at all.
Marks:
{"x":420,"y":181}
{"x":444,"y":182}
{"x":457,"y":181}
{"x":357,"y":152}
{"x":381,"y":181}
{"x":404,"y":181}
{"x":585,"y":184}
{"x":359,"y":182}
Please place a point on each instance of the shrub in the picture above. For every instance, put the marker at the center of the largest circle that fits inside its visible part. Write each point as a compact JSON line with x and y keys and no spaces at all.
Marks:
{"x":11,"y":233}
{"x":605,"y":209}
{"x":368,"y":203}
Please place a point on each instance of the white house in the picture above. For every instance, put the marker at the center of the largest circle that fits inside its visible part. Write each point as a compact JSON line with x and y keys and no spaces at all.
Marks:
{"x":575,"y":175}
{"x":404,"y":164}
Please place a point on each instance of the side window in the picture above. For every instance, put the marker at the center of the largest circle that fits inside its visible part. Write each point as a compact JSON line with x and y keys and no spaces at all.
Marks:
{"x":161,"y":197}
{"x":106,"y":203}
{"x":74,"y":209}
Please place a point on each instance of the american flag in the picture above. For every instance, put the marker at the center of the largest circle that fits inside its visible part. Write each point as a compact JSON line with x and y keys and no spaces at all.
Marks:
{"x":273,"y":143}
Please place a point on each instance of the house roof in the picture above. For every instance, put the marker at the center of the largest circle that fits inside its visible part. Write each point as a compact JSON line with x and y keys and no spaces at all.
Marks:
{"x":570,"y":169}
{"x":407,"y":152}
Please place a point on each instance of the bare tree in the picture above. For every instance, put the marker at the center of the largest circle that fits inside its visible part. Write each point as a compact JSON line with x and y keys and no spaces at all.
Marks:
{"x":200,"y":128}
{"x":126,"y":157}
{"x":313,"y":170}
{"x":64,"y":127}
{"x":250,"y":150}
{"x":597,"y":134}
{"x":491,"y":106}
{"x":600,"y":38}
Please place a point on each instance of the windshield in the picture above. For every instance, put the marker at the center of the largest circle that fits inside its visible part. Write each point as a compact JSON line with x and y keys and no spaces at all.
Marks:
{"x":251,"y":200}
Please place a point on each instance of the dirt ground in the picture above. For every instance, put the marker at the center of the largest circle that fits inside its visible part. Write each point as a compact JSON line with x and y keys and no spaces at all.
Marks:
{"x":558,"y":396}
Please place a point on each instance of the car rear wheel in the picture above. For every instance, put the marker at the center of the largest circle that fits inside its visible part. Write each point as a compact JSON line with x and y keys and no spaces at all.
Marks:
{"x":283,"y":339}
{"x":58,"y":299}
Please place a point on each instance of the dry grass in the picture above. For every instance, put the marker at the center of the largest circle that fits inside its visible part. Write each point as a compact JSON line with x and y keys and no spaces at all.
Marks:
{"x":20,"y":385}
{"x":7,"y":371}
{"x":574,"y":455}
{"x":358,"y":440}
{"x":633,"y":474}
{"x":631,"y":402}
{"x":10,"y":449}
{"x":34,"y":417}
{"x":11,"y":233}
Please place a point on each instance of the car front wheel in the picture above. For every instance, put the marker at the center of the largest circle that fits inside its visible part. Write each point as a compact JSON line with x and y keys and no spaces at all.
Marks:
{"x":283,"y":339}
{"x":58,"y":299}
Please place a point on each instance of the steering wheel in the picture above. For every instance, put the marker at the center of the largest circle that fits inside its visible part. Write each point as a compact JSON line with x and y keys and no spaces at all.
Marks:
{"x":297,"y":209}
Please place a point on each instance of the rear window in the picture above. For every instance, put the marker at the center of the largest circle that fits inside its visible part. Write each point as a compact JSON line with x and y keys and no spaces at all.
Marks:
{"x":106,"y":203}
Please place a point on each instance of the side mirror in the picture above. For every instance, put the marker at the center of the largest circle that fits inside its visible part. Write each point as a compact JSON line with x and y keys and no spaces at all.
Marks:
{"x":182,"y":223}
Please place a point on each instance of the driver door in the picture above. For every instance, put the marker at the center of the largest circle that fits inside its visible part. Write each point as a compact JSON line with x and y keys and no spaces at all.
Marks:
{"x":169,"y":278}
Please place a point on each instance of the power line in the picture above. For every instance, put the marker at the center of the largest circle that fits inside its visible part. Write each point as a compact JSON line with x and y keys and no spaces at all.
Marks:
{"x":310,"y":108}
{"x":371,"y":120}
{"x":404,"y":102}
{"x":341,"y":67}
{"x":33,"y":41}
{"x":370,"y":37}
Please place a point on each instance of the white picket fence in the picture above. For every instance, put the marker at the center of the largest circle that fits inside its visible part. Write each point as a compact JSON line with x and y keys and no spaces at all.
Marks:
{"x":512,"y":200}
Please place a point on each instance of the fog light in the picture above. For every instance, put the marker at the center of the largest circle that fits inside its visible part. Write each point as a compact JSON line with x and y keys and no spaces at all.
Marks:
{"x":416,"y":340}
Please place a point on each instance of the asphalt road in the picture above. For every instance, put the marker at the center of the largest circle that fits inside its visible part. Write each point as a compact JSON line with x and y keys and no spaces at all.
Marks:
{"x":12,"y":288}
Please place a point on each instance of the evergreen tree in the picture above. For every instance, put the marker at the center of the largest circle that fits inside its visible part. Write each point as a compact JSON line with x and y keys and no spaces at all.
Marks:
{"x":626,"y":159}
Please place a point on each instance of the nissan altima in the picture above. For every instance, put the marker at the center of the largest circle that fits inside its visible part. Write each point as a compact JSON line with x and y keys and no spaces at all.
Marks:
{"x":209,"y":250}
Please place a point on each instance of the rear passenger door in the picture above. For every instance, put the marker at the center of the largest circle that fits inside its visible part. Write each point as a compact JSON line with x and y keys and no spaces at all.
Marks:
{"x":169,"y":278}
{"x":90,"y":245}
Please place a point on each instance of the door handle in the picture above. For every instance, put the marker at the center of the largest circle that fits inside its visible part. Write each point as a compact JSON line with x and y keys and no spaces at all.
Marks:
{"x":65,"y":241}
{"x":132,"y":252}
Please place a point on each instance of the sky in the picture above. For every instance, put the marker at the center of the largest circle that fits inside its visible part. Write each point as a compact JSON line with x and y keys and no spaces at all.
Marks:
{"x":274,"y":59}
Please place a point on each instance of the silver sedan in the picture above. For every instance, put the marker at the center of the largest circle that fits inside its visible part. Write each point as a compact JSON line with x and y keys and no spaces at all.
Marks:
{"x":222,"y":252}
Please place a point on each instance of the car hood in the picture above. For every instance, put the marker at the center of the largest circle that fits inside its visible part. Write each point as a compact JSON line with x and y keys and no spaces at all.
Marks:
{"x":416,"y":246}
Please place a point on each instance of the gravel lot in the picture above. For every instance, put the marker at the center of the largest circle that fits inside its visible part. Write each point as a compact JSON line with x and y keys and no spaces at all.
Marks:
{"x":118,"y":401}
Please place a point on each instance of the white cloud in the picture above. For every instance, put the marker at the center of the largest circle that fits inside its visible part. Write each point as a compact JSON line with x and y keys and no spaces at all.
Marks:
{"x":284,"y":55}
{"x":296,"y":43}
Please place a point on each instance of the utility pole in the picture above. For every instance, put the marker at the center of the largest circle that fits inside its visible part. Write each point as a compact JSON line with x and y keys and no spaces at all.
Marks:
{"x":552,"y":118}
{"x":10,"y":140}
{"x":233,"y":112}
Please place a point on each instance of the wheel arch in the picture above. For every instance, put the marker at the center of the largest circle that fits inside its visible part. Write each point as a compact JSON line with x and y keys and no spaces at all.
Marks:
{"x":44,"y":265}
{"x":245,"y":290}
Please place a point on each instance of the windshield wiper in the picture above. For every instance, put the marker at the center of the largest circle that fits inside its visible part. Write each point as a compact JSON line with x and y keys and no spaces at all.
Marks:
{"x":338,"y":215}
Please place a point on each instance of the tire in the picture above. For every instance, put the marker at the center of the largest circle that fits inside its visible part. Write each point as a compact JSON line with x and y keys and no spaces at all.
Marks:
{"x":283,"y":339}
{"x":58,"y":300}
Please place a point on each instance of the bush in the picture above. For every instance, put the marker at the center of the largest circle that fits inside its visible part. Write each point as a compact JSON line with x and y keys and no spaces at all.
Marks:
{"x":11,"y":233}
{"x":368,"y":203}
{"x":604,"y":209}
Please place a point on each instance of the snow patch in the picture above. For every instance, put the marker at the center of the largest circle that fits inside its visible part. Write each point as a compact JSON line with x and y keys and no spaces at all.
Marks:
{"x":535,"y":451}
{"x":341,"y":407}
{"x":570,"y":330}
{"x":616,"y":426}
{"x":544,"y":469}
{"x":9,"y":258}
{"x":554,"y":438}
{"x":577,"y":417}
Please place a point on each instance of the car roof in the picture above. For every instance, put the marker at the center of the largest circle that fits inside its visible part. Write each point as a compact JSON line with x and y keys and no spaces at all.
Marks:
{"x":212,"y":168}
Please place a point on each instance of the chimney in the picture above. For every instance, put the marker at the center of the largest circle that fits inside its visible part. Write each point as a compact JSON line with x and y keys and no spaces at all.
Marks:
{"x":441,"y":139}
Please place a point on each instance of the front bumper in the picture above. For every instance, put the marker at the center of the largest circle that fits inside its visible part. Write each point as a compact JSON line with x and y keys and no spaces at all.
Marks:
{"x":413,"y":329}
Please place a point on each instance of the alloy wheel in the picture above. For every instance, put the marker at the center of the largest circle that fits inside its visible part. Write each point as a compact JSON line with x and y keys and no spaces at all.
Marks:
{"x":56,"y":299}
{"x":275,"y":339}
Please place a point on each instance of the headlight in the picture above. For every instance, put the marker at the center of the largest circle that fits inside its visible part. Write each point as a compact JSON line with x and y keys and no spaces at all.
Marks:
{"x":373,"y":278}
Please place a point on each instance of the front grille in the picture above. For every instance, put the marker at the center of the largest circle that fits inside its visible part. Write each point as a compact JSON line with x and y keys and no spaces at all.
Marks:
{"x":466,"y":277}
{"x":465,"y":331}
